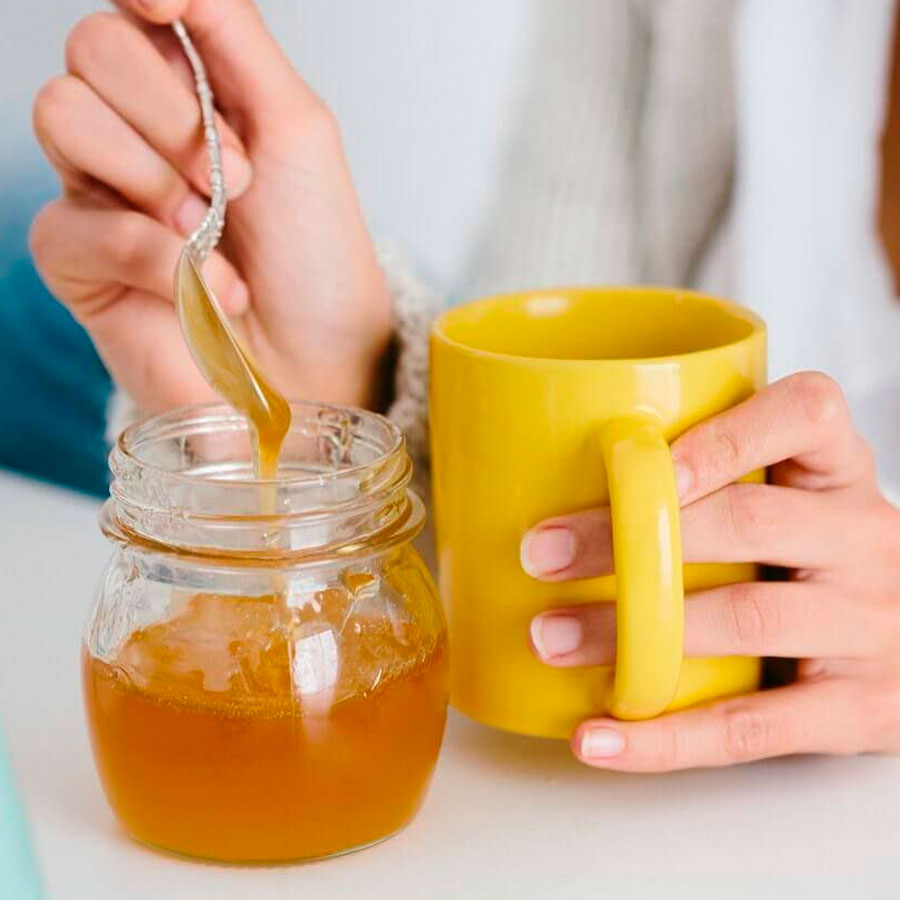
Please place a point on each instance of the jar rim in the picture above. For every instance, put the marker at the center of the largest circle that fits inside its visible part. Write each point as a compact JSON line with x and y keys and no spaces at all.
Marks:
{"x":179,"y":482}
{"x":125,"y":444}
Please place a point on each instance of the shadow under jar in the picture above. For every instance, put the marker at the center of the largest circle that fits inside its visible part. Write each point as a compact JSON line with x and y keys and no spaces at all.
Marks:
{"x":265,"y":664}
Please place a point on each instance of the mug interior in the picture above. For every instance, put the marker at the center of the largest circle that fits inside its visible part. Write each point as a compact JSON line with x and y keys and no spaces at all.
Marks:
{"x":598,"y":323}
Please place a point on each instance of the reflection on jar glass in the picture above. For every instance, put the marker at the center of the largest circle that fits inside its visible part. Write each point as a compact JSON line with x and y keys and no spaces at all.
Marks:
{"x":265,"y":663}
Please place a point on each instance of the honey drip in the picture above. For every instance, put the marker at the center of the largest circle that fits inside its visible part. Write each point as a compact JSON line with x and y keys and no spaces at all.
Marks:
{"x":230,"y":369}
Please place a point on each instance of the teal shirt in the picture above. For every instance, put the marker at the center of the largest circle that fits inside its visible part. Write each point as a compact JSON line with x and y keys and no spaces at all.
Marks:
{"x":54,"y":390}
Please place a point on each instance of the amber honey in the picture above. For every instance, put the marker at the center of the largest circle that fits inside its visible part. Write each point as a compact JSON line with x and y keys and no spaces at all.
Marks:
{"x":230,"y":368}
{"x":215,"y":737}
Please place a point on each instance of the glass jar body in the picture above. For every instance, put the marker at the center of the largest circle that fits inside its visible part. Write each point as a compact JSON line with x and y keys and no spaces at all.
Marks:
{"x":233,"y":722}
{"x":254,"y":709}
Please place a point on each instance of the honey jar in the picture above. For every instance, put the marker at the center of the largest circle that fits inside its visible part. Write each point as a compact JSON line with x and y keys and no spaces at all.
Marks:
{"x":265,"y":663}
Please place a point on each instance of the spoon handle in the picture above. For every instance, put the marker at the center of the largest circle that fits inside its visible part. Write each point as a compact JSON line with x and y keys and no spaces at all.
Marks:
{"x":204,"y":240}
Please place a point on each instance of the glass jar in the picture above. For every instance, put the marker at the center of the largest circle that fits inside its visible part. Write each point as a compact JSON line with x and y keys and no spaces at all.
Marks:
{"x":265,"y":662}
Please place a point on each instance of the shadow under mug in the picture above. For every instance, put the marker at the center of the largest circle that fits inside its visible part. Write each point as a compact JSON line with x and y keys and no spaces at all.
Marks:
{"x":550,"y":401}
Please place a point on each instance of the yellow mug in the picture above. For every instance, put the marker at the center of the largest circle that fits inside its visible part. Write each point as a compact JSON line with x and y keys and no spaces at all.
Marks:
{"x":551,"y":401}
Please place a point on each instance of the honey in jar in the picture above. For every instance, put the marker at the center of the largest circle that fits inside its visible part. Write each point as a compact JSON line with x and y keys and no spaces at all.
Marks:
{"x":203,"y":744}
{"x":237,"y":722}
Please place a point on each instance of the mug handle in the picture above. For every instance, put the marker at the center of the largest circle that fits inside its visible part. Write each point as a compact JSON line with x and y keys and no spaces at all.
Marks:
{"x":646,"y":536}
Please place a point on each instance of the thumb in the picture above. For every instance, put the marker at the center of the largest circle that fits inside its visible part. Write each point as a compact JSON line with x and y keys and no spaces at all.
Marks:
{"x":247,"y":69}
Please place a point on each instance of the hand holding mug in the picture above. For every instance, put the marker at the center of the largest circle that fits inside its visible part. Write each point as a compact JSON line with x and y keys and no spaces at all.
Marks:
{"x":822,"y":518}
{"x":522,"y":386}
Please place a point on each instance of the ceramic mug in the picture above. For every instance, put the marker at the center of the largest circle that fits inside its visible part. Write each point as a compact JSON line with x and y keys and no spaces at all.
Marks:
{"x":551,"y":401}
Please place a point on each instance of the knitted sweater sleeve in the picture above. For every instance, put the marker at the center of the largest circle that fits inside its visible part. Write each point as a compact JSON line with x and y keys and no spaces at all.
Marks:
{"x":414,"y":307}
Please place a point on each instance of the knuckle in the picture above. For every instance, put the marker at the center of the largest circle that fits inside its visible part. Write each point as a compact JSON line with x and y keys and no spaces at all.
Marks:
{"x":125,"y":243}
{"x":41,"y":235}
{"x":748,"y":512}
{"x":667,"y":750}
{"x":93,"y":35}
{"x":727,"y":449}
{"x":316,"y":126}
{"x":52,"y":99}
{"x":752,"y":622}
{"x":748,"y":734}
{"x":819,"y":396}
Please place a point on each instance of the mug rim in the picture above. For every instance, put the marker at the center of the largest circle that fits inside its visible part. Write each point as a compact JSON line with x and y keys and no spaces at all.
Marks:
{"x":735,"y":310}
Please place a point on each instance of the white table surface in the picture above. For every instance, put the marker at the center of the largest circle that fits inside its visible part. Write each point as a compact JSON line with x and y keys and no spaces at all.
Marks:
{"x":506,"y":816}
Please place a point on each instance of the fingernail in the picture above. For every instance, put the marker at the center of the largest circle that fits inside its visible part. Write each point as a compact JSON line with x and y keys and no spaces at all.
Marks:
{"x":546,"y":551}
{"x":601,"y":743}
{"x":683,"y":479}
{"x":238,"y":299}
{"x":555,"y":635}
{"x":237,"y":171}
{"x":190,"y":214}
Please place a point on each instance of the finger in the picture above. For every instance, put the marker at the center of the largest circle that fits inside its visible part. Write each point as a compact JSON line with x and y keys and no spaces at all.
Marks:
{"x":577,"y":545}
{"x":772,"y":525}
{"x":803,"y":418}
{"x":125,"y":69}
{"x":139,"y":340}
{"x":78,"y":249}
{"x":810,"y":717}
{"x":137,"y":333}
{"x":85,"y":140}
{"x":247,"y":68}
{"x":776,"y":619}
{"x":169,"y":48}
{"x":760,"y":523}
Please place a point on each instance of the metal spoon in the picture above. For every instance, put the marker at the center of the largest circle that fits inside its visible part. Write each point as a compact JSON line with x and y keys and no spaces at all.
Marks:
{"x":223,"y":360}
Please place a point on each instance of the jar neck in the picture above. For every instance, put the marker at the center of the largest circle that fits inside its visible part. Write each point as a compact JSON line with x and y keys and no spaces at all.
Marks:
{"x":182,"y":482}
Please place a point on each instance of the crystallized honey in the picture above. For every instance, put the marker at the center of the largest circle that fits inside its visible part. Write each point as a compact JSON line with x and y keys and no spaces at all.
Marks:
{"x":241,"y":729}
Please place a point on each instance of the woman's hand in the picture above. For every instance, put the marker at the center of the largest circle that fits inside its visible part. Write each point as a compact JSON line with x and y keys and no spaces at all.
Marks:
{"x":297,"y":271}
{"x":822,"y":518}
